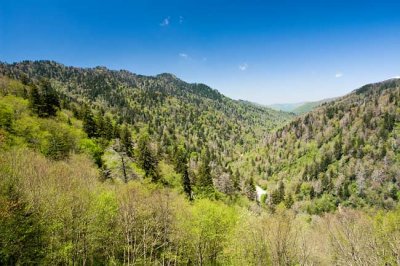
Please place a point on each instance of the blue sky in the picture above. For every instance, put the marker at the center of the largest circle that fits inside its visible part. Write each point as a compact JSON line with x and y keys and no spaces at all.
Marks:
{"x":262,"y":51}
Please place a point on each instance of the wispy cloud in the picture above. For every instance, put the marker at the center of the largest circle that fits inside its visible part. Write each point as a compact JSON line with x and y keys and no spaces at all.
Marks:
{"x":165,"y":22}
{"x":339,"y":75}
{"x":243,"y":66}
{"x":183,"y":55}
{"x":180,"y":19}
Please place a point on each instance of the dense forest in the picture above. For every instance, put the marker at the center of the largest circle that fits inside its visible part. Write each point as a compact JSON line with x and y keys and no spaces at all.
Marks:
{"x":212,"y":129}
{"x":346,"y":152}
{"x":108,"y":167}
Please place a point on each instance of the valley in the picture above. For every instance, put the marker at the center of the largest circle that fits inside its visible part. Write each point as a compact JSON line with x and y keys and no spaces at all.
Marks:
{"x":99,"y":165}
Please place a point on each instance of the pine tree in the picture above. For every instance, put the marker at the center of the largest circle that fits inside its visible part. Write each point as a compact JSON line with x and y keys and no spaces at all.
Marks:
{"x":50,"y":99}
{"x":278,"y":194}
{"x":108,"y":128}
{"x":35,"y":100}
{"x":180,"y":159}
{"x":146,"y":158}
{"x":89,"y":125}
{"x":126,"y":140}
{"x":44,"y":100}
{"x":281,"y":190}
{"x":289,"y":201}
{"x":312,"y":192}
{"x":100,"y":125}
{"x":250,"y":189}
{"x":274,"y":198}
{"x":187,"y":187}
{"x":204,"y":179}
{"x":236,"y":180}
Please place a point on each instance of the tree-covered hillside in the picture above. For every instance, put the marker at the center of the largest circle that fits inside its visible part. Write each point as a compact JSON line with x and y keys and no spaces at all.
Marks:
{"x":83,"y":183}
{"x":212,"y":130}
{"x":345,"y":152}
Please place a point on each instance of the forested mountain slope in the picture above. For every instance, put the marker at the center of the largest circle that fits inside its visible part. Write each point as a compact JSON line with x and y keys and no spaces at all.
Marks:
{"x":345,"y":152}
{"x":213,"y":130}
{"x":82,"y":184}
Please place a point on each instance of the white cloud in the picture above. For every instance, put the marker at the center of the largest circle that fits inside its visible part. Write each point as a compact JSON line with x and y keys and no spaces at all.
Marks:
{"x":396,"y":77}
{"x":180,"y":19}
{"x":339,"y":75}
{"x":183,"y":55}
{"x":243,"y":66}
{"x":165,"y":22}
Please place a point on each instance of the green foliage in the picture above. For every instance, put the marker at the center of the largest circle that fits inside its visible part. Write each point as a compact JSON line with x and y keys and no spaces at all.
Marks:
{"x":126,"y":140}
{"x":181,"y":166}
{"x":57,"y":210}
{"x":59,"y":141}
{"x":146,"y":157}
{"x":209,"y":228}
{"x":333,"y":149}
{"x":173,"y":112}
{"x":327,"y":203}
{"x":44,"y":99}
{"x":204,"y":178}
{"x":250,"y":189}
{"x":186,"y":184}
{"x":289,"y":201}
{"x":21,"y":231}
{"x":89,"y":124}
{"x":6,"y":116}
{"x":90,"y":147}
{"x":343,"y":149}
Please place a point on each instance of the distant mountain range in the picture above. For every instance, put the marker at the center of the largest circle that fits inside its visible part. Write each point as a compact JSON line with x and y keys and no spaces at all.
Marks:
{"x":299,"y":108}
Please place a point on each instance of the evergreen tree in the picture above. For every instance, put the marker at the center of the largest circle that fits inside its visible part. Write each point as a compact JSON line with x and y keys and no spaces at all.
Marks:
{"x":312,"y":192}
{"x":275,"y":198}
{"x":108,"y":128}
{"x":186,"y":183}
{"x":250,"y":189}
{"x":289,"y":201}
{"x":126,"y":140}
{"x":281,"y":190}
{"x":44,"y":99}
{"x":100,"y":125}
{"x":35,"y":100}
{"x":50,"y":99}
{"x":278,"y":194}
{"x":89,"y":125}
{"x":180,"y":159}
{"x":236,"y":180}
{"x":146,"y":158}
{"x":204,"y":179}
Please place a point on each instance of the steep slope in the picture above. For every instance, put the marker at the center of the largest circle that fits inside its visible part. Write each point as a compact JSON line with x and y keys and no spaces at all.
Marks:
{"x":344,"y":152}
{"x":57,"y":208}
{"x":173,"y":112}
